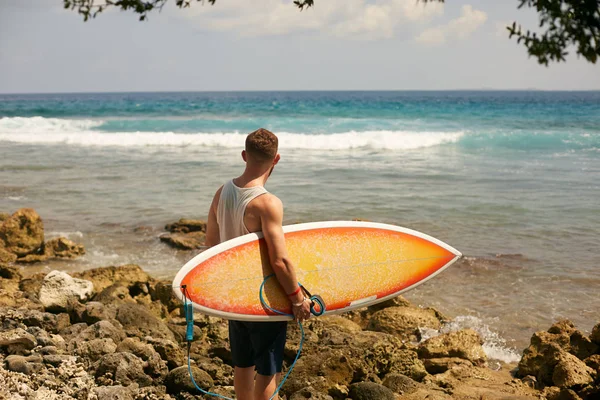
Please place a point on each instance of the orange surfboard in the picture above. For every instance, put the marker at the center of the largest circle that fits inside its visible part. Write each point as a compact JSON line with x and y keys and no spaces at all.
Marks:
{"x":350,"y":264}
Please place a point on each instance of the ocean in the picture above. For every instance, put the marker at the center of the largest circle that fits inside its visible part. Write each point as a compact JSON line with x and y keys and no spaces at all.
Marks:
{"x":511,"y":179}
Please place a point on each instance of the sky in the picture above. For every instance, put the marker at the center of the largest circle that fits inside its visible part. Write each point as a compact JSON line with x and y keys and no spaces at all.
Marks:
{"x":270,"y":45}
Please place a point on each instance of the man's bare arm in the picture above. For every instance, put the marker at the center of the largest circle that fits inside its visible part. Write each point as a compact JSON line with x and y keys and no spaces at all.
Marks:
{"x":213,"y":237}
{"x":271,"y":221}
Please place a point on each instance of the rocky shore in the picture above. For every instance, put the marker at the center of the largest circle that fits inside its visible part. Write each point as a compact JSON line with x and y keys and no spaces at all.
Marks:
{"x":117,"y":333}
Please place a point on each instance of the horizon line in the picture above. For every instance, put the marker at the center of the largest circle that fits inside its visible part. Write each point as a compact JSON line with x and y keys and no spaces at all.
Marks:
{"x":304,"y":91}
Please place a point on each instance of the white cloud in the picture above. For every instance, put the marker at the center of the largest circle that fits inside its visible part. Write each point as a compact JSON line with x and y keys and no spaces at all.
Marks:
{"x":459,"y":28}
{"x":348,"y":18}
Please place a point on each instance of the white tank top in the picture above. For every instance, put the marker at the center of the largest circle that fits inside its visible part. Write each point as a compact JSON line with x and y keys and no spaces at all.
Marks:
{"x":232,"y":207}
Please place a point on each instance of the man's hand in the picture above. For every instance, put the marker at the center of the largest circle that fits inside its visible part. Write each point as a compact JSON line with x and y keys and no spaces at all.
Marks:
{"x":301,"y":310}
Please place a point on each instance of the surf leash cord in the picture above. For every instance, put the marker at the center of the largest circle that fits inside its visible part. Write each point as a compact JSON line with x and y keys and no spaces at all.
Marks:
{"x":316,"y":301}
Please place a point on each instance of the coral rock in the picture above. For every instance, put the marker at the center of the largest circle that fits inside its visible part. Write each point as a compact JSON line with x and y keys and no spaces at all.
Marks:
{"x":58,"y":287}
{"x":22,"y":233}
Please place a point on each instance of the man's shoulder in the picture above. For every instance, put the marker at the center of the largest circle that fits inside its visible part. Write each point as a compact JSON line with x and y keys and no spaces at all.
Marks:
{"x":268,"y":201}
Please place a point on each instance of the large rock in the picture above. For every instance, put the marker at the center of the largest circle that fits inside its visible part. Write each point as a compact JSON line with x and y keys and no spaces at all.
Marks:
{"x":377,"y":353}
{"x":138,"y":321}
{"x":121,"y":369}
{"x":370,"y":391}
{"x":25,"y":365}
{"x":546,"y":348}
{"x":127,"y":275}
{"x":400,"y":384}
{"x":169,"y":351}
{"x":63,"y":248}
{"x":22,"y":233}
{"x":404,"y":322}
{"x":571,"y":372}
{"x":465,"y":344}
{"x":154,"y":365}
{"x":187,"y":225}
{"x":185,"y":241}
{"x":179,"y":380}
{"x":102,"y":330}
{"x":17,"y":341}
{"x":92,"y":350}
{"x":59,"y":287}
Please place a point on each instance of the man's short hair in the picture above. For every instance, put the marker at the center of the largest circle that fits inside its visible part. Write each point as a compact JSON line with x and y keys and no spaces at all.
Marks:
{"x":261,"y":145}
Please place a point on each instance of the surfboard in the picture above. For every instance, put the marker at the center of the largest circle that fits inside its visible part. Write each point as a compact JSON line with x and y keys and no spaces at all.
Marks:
{"x":350,"y":264}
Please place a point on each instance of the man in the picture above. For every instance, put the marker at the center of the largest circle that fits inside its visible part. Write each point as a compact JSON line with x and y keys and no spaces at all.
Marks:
{"x":241,"y":206}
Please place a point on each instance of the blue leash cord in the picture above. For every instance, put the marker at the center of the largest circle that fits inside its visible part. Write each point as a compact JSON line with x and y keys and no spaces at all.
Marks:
{"x":189,"y":317}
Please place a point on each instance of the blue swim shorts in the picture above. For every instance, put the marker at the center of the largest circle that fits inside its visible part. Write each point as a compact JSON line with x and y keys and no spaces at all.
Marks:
{"x":258,"y":344}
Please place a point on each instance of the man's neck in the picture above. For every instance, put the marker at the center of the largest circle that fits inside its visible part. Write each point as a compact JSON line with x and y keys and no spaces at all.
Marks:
{"x":252,"y":177}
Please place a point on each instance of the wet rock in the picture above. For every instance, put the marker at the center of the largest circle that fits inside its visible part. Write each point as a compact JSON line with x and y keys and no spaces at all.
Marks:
{"x":121,"y":369}
{"x":58,"y":287}
{"x":187,"y":225}
{"x":400,"y":384}
{"x":104,"y":277}
{"x":17,"y":341}
{"x":137,"y":321}
{"x":465,"y":344}
{"x":179,"y":380}
{"x":441,"y":365}
{"x":25,"y":365}
{"x":114,"y":393}
{"x":184,"y":241}
{"x":370,"y":391}
{"x":310,"y":393}
{"x":63,"y":248}
{"x":571,"y":371}
{"x":154,"y":366}
{"x":404,"y":322}
{"x":22,"y":233}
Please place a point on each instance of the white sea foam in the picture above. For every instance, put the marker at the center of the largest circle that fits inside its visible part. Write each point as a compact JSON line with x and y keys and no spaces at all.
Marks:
{"x":38,"y":130}
{"x":67,"y":235}
{"x":494,"y":346}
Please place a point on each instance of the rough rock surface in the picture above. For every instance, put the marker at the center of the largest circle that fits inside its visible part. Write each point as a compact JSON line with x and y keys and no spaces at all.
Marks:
{"x":63,"y":248}
{"x":179,"y":380}
{"x":22,"y":233}
{"x":465,"y":344}
{"x":184,"y":241}
{"x":404,"y":322}
{"x":186,"y":234}
{"x":59,"y":287}
{"x":370,"y":391}
{"x":107,"y":276}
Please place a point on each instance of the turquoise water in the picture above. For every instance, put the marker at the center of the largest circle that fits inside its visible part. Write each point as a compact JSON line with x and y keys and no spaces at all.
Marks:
{"x":512,"y":179}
